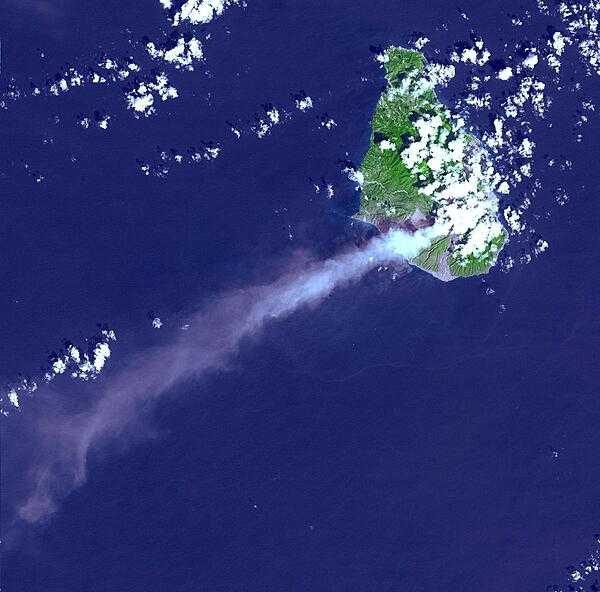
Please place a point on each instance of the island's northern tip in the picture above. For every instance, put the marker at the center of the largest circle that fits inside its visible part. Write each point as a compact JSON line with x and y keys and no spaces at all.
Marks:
{"x":423,"y":169}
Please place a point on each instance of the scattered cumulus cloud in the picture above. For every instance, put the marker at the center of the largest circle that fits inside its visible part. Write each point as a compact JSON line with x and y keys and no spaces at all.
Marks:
{"x":79,"y":363}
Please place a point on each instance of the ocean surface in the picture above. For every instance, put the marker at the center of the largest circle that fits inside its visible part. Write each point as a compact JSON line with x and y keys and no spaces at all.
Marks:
{"x":403,"y":435}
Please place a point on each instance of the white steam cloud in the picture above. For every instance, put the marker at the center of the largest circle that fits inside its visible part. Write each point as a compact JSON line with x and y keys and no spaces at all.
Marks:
{"x":215,"y":333}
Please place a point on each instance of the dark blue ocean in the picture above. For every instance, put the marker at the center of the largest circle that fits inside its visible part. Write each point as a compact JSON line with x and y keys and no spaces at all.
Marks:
{"x":404,"y":435}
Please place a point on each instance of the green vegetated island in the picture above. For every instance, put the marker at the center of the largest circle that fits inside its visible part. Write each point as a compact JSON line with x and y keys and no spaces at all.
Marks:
{"x":423,"y":170}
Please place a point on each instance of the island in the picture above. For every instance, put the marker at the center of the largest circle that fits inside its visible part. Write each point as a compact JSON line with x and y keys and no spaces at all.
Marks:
{"x":424,"y":169}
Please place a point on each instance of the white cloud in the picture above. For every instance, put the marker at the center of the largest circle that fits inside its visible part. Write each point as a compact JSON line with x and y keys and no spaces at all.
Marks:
{"x":72,"y":362}
{"x":387,"y":145}
{"x":101,"y":354}
{"x":421,"y":42}
{"x":531,"y":60}
{"x":304,"y":104}
{"x":181,"y":55}
{"x":142,"y":98}
{"x":328,"y":123}
{"x":513,"y":219}
{"x":201,"y":11}
{"x":59,"y":366}
{"x":354,"y":175}
{"x":13,"y":397}
{"x":273,"y":115}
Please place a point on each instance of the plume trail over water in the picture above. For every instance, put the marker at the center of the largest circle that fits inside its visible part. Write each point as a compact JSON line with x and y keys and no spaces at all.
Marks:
{"x":60,"y":461}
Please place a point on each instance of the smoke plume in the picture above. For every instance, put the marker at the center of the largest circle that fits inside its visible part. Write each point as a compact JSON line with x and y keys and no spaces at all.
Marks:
{"x":212,"y":339}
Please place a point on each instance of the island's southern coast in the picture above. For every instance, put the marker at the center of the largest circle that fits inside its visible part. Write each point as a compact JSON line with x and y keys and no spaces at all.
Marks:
{"x":423,"y":169}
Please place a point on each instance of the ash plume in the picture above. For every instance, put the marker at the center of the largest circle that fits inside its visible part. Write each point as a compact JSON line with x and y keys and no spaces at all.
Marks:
{"x":215,"y":334}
